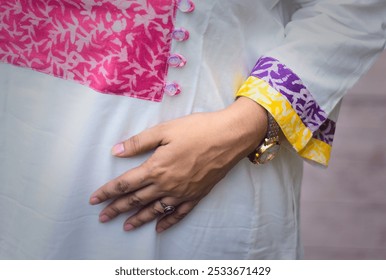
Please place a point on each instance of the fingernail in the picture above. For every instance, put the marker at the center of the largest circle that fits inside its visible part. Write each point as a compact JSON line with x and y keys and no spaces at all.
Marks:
{"x":159,"y":230}
{"x":128,"y":227}
{"x":104,"y":218}
{"x":118,"y":149}
{"x":94,"y":200}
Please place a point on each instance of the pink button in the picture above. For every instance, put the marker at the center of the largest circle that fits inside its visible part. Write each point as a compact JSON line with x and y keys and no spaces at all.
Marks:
{"x":172,"y":89}
{"x":176,"y":60}
{"x":186,"y":6}
{"x":180,"y":34}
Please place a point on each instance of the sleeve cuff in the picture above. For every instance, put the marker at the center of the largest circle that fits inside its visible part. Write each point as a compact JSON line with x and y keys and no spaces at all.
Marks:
{"x":282,"y":93}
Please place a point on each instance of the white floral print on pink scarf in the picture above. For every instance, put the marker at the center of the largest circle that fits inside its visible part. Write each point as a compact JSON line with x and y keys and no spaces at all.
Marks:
{"x":113,"y":46}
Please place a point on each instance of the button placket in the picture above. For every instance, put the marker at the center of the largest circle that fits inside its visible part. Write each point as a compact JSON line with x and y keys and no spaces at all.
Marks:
{"x":177,"y":60}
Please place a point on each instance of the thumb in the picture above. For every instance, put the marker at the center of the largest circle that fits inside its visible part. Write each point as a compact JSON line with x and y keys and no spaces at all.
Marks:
{"x":138,"y":144}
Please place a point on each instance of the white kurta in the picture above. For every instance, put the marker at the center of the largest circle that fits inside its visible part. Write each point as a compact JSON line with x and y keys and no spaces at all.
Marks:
{"x":56,"y":137}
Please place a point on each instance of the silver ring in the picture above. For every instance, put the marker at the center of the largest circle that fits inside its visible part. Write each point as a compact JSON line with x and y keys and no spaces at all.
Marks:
{"x":168,"y":209}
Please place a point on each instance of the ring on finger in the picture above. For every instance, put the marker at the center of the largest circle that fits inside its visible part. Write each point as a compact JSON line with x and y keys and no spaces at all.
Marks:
{"x":168,"y":209}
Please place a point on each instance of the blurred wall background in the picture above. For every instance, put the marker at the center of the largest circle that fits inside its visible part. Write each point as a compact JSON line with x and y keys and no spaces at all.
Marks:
{"x":343,"y":208}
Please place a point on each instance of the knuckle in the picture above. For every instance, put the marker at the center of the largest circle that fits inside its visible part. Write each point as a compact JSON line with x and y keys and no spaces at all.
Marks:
{"x":155,"y":168}
{"x":135,"y":144}
{"x":106,"y":193}
{"x":114,"y":210}
{"x":122,"y":187}
{"x":147,"y":168}
{"x":150,"y":165}
{"x":135,"y":201}
{"x":155,"y":212}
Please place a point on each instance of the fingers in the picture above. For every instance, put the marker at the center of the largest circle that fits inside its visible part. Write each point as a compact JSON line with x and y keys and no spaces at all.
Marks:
{"x":145,"y":141}
{"x":126,"y":183}
{"x":147,"y":214}
{"x":138,"y":199}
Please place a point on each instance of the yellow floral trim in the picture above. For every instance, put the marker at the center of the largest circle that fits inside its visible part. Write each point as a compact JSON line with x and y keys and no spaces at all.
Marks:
{"x":317,"y":150}
{"x":299,"y":136}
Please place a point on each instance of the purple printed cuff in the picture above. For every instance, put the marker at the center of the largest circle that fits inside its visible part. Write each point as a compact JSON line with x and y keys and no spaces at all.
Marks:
{"x":292,"y":88}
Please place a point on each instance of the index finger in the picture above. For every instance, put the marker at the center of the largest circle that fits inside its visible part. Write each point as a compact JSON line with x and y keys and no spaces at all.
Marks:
{"x":130,"y":181}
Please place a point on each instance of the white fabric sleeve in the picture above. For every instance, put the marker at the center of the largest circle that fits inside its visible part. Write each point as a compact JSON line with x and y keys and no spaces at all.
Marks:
{"x":328,"y":45}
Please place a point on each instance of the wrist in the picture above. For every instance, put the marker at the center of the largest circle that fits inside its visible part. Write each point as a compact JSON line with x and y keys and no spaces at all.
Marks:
{"x":249,"y":122}
{"x":269,"y":148}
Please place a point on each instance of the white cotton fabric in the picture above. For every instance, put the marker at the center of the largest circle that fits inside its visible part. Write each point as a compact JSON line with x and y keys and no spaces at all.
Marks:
{"x":56,"y":137}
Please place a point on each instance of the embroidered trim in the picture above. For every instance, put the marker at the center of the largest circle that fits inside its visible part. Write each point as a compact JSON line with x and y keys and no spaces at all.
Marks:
{"x":326,"y":132}
{"x":308,"y":144}
{"x":113,"y":46}
{"x":291,"y":87}
{"x":317,"y":151}
{"x":276,"y":104}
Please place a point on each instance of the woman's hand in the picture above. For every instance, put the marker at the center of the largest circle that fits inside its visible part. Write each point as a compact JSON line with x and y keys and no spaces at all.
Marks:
{"x":192,"y":154}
